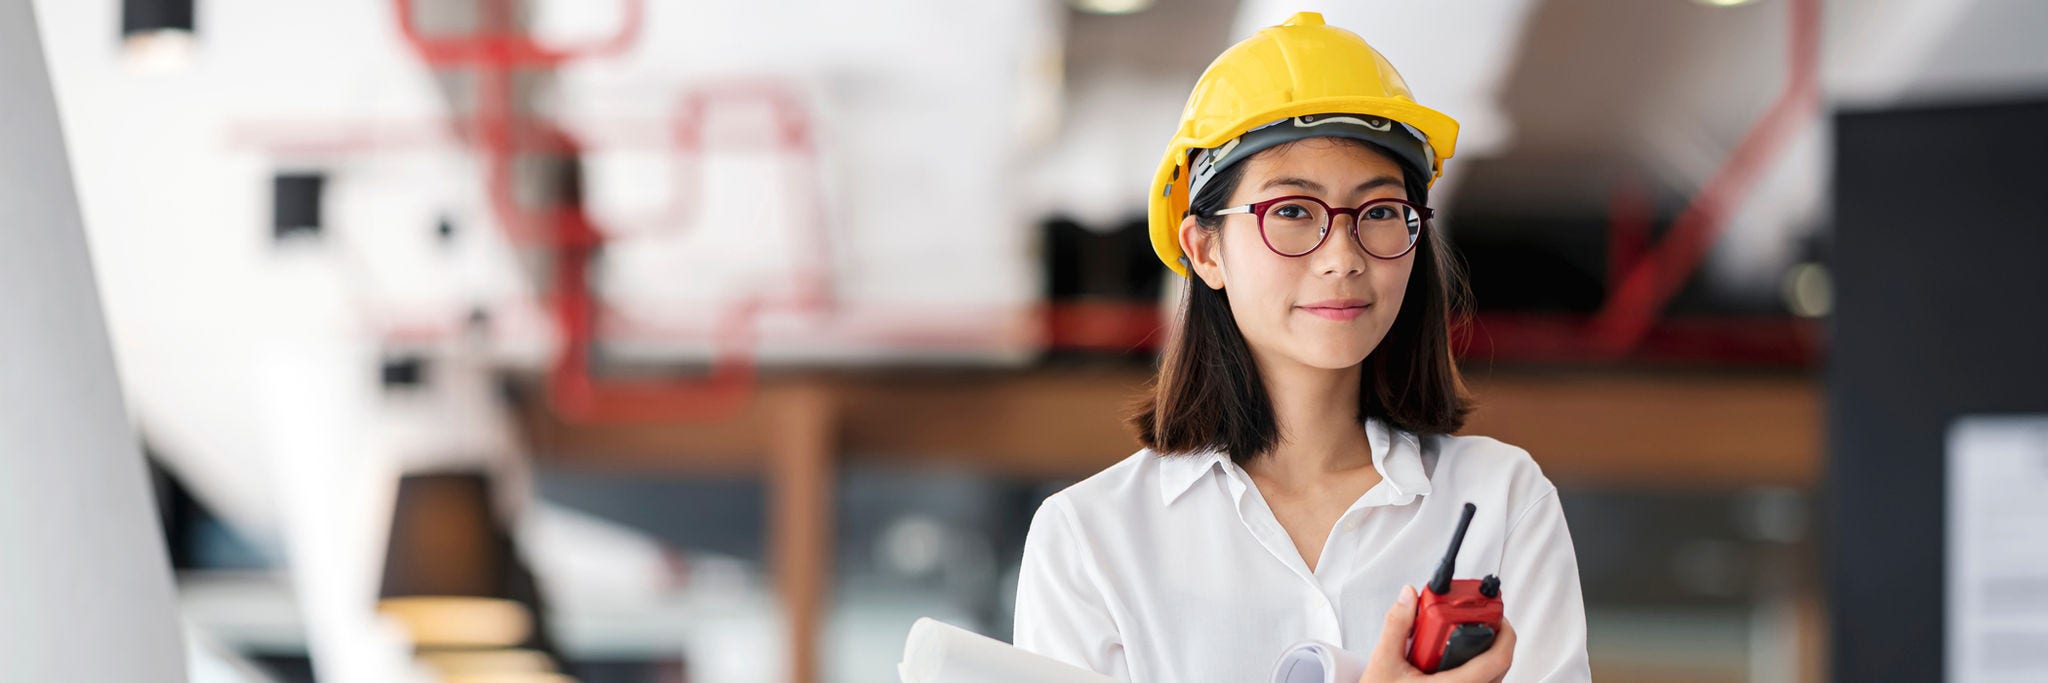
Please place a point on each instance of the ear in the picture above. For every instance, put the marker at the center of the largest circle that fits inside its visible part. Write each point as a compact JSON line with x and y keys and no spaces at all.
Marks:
{"x":1203,"y":249}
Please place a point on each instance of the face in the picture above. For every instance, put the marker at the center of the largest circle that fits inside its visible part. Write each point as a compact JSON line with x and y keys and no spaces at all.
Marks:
{"x":1330,"y":307}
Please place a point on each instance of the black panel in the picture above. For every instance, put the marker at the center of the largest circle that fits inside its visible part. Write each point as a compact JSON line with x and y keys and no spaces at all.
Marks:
{"x":295,"y":204}
{"x":403,"y":372}
{"x":1116,"y":263}
{"x":1941,"y":229}
{"x":141,"y":16}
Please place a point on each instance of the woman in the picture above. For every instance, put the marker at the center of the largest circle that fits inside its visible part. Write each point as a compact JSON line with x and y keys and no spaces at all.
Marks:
{"x":1299,"y":474}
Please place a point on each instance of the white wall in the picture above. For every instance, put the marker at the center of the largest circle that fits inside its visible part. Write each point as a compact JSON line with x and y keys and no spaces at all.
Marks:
{"x":251,"y":365}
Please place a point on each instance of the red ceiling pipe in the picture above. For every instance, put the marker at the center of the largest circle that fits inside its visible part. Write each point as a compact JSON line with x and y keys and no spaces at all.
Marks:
{"x":1639,"y":297}
{"x":1628,"y":229}
{"x":499,"y":46}
{"x":497,"y":129}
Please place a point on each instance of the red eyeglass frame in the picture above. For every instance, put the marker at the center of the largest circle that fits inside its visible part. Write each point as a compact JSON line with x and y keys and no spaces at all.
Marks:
{"x":1258,"y":210}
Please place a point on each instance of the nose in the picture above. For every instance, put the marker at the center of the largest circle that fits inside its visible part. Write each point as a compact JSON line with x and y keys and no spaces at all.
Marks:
{"x":1340,"y":253}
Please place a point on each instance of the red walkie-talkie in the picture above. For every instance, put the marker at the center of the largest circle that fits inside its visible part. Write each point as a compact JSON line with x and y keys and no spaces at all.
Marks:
{"x":1455,"y":620}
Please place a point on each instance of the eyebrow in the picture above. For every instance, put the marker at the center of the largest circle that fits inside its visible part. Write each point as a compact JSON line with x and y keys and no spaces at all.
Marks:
{"x":1314,"y":186}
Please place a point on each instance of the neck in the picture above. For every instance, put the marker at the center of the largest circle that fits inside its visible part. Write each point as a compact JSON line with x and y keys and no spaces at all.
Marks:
{"x":1320,"y":434}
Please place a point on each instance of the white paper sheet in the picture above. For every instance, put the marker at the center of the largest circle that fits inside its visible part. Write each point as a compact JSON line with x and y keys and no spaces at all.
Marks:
{"x":1997,"y":585}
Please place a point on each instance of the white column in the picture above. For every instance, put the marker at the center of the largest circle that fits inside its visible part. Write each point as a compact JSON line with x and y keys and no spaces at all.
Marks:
{"x":86,"y":582}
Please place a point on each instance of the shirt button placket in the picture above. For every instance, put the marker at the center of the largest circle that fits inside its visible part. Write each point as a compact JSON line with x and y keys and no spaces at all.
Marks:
{"x":1323,"y":619}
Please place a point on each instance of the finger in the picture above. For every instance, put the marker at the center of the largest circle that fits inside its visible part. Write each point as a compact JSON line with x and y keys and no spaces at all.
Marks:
{"x":1506,"y":643}
{"x":1391,"y":654}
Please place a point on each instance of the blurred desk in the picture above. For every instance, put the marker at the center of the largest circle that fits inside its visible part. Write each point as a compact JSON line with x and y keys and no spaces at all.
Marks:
{"x":1667,"y":429}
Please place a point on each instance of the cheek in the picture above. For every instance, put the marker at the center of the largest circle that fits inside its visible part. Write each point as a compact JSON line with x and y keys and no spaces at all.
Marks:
{"x":1390,"y":284}
{"x":1257,"y":277}
{"x":1259,"y":284}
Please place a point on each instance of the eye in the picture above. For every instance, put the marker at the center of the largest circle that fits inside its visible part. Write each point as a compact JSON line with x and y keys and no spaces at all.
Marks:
{"x":1292,"y":212}
{"x":1382,"y":213}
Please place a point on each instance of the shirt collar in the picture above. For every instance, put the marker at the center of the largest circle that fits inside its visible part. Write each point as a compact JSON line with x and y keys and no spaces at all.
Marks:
{"x":1178,"y":473}
{"x":1396,"y":454}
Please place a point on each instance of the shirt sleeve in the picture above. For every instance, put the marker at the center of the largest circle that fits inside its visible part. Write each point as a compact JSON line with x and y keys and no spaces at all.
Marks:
{"x":1061,"y":611}
{"x":1542,"y":599}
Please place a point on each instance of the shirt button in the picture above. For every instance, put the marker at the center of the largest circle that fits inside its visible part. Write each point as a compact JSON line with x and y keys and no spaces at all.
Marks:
{"x":1351,"y":525}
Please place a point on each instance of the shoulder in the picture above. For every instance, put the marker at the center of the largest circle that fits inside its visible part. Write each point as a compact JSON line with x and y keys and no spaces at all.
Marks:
{"x":1123,"y":501}
{"x":1467,"y":462}
{"x":1482,"y":452}
{"x":1111,"y":491}
{"x":1097,"y":514}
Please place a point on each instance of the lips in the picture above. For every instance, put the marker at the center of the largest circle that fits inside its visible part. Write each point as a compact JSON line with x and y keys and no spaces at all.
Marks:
{"x":1336,"y":309}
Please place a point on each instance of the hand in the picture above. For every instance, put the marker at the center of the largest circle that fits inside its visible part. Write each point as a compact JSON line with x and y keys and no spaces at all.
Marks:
{"x":1389,"y":663}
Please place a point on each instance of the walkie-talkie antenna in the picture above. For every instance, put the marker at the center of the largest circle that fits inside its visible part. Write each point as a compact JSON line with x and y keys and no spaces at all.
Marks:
{"x":1442,"y":583}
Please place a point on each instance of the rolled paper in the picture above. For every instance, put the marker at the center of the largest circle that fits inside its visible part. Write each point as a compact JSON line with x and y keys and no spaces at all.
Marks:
{"x":938,"y":652}
{"x":1315,"y":661}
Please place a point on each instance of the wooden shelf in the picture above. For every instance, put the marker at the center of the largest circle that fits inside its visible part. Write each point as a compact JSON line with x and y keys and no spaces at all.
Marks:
{"x":1676,"y":429}
{"x":1660,"y":430}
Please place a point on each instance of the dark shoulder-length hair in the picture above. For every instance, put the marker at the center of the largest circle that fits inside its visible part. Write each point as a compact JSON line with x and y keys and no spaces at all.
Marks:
{"x":1208,"y":394}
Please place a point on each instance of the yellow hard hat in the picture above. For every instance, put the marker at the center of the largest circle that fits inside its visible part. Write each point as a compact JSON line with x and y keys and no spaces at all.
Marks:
{"x":1299,"y":68}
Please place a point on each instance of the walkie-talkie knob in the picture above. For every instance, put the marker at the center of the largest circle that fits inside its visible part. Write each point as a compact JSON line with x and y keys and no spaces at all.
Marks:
{"x":1490,"y":586}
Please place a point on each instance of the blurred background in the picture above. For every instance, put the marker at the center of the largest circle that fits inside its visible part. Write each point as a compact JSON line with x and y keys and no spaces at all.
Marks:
{"x":664,"y":341}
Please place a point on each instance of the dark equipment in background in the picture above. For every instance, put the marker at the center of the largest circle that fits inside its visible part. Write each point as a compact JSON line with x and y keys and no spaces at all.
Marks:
{"x":454,"y":578}
{"x":1116,"y":264}
{"x":1102,"y":287}
{"x":1939,"y":237}
{"x":402,"y":371}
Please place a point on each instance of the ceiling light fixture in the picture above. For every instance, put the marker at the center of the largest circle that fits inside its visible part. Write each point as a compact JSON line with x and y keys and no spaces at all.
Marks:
{"x":156,"y":35}
{"x":1111,"y":6}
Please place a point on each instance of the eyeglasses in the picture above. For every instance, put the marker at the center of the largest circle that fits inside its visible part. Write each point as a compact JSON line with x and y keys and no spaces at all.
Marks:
{"x":1295,"y":225}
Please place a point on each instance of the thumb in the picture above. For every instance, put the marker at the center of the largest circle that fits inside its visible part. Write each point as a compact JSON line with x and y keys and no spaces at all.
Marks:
{"x":1392,"y":648}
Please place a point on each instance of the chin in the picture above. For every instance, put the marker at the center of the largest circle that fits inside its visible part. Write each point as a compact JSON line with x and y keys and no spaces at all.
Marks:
{"x":1333,"y":359}
{"x":1337,"y":351}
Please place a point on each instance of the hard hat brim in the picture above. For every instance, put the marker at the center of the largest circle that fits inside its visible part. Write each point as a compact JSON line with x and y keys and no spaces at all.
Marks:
{"x":1404,"y":143}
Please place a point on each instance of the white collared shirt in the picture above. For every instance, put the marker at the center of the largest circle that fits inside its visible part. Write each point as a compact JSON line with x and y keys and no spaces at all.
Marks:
{"x":1174,"y":570}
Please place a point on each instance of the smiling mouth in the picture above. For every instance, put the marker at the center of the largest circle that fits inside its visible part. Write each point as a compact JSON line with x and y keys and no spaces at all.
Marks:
{"x":1340,"y":312}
